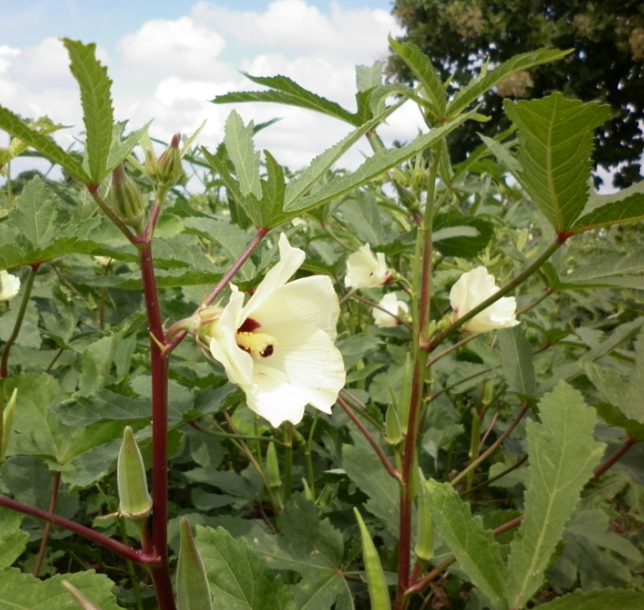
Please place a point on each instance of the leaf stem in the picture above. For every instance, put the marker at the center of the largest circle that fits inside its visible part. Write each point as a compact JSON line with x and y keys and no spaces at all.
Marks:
{"x":615,"y":456}
{"x":176,"y":333}
{"x":96,"y":196}
{"x":29,"y":284}
{"x":137,"y":556}
{"x":492,"y":447}
{"x":288,"y":461}
{"x":389,"y":467}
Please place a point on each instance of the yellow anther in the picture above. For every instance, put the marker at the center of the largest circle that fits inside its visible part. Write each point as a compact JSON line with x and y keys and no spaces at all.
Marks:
{"x":256,"y":344}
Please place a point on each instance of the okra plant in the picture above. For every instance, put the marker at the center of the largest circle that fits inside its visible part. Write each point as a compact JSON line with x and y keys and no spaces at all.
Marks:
{"x":414,"y":385}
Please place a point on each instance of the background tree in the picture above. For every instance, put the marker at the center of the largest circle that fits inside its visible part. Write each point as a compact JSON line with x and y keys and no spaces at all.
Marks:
{"x":607,"y":63}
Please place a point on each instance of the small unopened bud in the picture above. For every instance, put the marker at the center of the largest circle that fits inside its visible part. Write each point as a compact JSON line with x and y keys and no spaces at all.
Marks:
{"x":394,"y":435}
{"x":79,"y":598}
{"x":273,"y":467}
{"x":7,"y":422}
{"x":306,"y":491}
{"x":135,"y":500}
{"x":168,"y":169}
{"x":126,"y":198}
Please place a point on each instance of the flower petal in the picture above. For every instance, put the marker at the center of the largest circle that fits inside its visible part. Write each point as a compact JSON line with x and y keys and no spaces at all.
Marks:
{"x":310,"y":300}
{"x":223,"y":343}
{"x":310,"y":360}
{"x":274,"y":398}
{"x":291,"y":260}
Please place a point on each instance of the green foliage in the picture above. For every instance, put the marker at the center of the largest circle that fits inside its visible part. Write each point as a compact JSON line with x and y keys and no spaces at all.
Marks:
{"x":474,"y":547}
{"x":238,"y":580}
{"x":428,"y":441}
{"x":562,"y":456}
{"x":24,"y":591}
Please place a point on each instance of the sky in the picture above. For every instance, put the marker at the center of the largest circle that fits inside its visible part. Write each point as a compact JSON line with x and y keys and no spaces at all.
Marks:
{"x":168,"y":59}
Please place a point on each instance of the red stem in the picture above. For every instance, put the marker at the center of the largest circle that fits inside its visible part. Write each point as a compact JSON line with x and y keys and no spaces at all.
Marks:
{"x":134,"y":555}
{"x":610,"y":461}
{"x":260,"y":233}
{"x":389,"y":467}
{"x":175,"y":333}
{"x":159,"y":371}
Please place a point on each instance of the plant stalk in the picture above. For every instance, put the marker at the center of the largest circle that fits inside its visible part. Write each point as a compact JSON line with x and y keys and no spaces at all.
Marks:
{"x":159,"y":373}
{"x":29,"y":284}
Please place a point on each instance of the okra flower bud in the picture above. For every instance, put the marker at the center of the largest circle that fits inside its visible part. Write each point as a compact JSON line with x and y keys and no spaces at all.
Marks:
{"x":424,"y":548}
{"x":167,"y":169}
{"x":376,"y":581}
{"x":135,"y":500}
{"x":273,"y":467}
{"x":126,"y":198}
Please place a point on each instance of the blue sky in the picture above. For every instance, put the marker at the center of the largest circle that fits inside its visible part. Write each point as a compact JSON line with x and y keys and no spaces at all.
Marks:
{"x":27,"y":22}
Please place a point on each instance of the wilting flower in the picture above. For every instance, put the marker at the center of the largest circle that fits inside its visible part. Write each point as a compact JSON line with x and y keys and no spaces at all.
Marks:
{"x":364,"y":270}
{"x":473,"y":288}
{"x":279,"y":346}
{"x":9,"y":286}
{"x":393,"y":307}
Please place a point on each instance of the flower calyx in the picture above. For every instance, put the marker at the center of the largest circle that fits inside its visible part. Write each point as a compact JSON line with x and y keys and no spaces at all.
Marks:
{"x":126,"y":199}
{"x":167,"y":169}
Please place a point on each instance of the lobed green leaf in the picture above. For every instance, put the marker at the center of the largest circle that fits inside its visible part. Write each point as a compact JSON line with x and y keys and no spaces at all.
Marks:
{"x":484,"y":82}
{"x":422,"y":68}
{"x":286,"y":91}
{"x":96,"y":99}
{"x":562,"y":454}
{"x":238,"y":579}
{"x":555,"y":144}
{"x":239,"y":144}
{"x":11,"y":123}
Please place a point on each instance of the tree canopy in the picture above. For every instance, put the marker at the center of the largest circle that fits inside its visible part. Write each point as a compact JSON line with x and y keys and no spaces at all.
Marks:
{"x":607,"y":63}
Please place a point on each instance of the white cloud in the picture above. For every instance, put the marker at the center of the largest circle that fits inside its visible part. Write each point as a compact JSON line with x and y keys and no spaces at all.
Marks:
{"x":177,"y":48}
{"x":302,"y":29}
{"x":169,"y":70}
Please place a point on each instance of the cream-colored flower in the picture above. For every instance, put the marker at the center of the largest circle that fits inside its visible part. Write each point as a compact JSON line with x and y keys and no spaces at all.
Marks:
{"x":364,"y":270}
{"x":103,"y":261}
{"x":9,"y":286}
{"x":279,"y":347}
{"x":473,"y":288}
{"x":393,"y":307}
